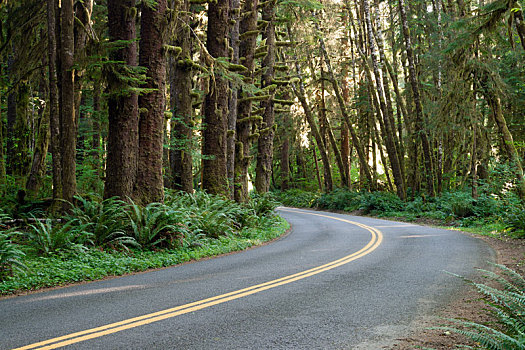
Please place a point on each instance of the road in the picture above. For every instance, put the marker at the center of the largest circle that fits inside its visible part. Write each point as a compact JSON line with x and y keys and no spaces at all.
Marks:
{"x":334,"y":282}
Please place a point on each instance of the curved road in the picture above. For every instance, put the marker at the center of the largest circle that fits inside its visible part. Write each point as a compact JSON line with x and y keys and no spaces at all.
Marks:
{"x":334,"y":282}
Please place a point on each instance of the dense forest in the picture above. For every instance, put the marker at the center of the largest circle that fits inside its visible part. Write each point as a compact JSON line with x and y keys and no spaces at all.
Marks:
{"x":127,"y":98}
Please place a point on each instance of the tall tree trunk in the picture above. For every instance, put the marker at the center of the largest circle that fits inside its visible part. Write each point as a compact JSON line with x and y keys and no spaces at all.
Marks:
{"x":2,"y":154}
{"x":215,"y":177}
{"x":11,"y":118}
{"x":263,"y":168}
{"x":181,"y":160}
{"x":427,"y":156}
{"x":285,"y":153}
{"x":54,"y":117}
{"x":245,"y":121}
{"x":82,"y":24}
{"x":122,"y":145}
{"x":68,"y":125}
{"x":235,"y":10}
{"x":149,"y":185}
{"x":95,"y":138}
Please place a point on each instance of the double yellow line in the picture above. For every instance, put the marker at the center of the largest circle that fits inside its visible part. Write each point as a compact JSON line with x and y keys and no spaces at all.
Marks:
{"x":97,"y":332}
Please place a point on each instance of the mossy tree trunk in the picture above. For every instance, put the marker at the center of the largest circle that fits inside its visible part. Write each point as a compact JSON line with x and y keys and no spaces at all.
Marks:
{"x":121,"y":162}
{"x":263,"y":169}
{"x":285,"y":153}
{"x":215,"y":178}
{"x":235,"y":10}
{"x":245,"y":120}
{"x":68,"y":125}
{"x":180,"y":99}
{"x":149,"y":185}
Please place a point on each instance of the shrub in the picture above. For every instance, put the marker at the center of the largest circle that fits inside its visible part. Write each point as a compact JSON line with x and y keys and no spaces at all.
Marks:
{"x":297,"y":198}
{"x":374,"y":202}
{"x":339,"y":199}
{"x":515,"y":220}
{"x":10,"y":255}
{"x":262,"y":204}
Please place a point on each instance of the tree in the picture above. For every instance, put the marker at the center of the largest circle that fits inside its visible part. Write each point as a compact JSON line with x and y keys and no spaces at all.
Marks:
{"x":245,"y":120}
{"x":181,"y":73}
{"x":215,"y":179}
{"x":121,"y":164}
{"x":149,"y":185}
{"x":67,"y":102}
{"x":263,"y":170}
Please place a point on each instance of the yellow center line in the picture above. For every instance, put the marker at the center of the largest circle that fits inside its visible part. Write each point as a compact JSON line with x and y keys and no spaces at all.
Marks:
{"x":77,"y":337}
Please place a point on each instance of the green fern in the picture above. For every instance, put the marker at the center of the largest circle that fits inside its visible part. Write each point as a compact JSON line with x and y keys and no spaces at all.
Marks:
{"x":106,"y":219}
{"x":506,"y":304}
{"x":49,"y":236}
{"x":152,"y":225}
{"x":10,"y":254}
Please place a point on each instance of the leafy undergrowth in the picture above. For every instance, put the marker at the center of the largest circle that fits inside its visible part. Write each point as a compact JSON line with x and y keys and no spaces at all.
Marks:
{"x":109,"y":238}
{"x":489,"y":214}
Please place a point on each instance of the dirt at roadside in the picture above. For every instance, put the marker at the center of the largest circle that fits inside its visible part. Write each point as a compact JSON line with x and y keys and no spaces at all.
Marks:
{"x":509,"y":252}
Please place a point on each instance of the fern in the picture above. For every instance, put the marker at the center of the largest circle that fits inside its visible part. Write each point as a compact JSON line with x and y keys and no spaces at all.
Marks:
{"x":506,"y":304}
{"x":10,"y":254}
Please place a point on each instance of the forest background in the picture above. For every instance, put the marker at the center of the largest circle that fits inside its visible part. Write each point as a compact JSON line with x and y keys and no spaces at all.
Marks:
{"x":151,"y":115}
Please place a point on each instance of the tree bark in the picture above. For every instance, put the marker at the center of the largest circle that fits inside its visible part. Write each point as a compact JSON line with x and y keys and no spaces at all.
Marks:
{"x":149,"y":185}
{"x":235,"y":9}
{"x":263,"y":168}
{"x":245,"y":119}
{"x":181,"y":160}
{"x":68,"y":125}
{"x":215,"y":177}
{"x":285,"y":154}
{"x":121,"y":163}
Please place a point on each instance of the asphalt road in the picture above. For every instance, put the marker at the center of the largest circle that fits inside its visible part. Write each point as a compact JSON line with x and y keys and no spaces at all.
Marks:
{"x":334,"y":282}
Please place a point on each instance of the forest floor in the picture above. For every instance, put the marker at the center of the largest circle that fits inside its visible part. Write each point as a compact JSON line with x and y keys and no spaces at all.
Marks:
{"x":467,"y":305}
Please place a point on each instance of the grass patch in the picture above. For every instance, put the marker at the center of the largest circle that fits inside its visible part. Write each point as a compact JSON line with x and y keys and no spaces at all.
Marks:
{"x":64,"y":267}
